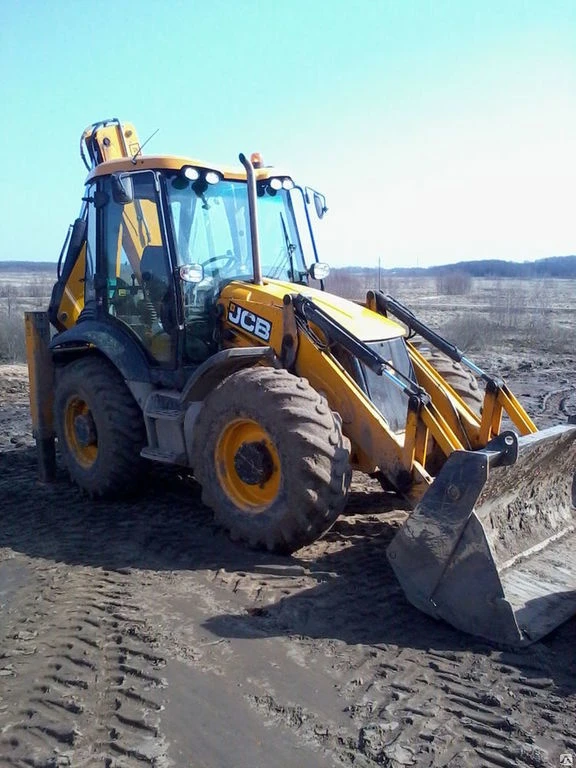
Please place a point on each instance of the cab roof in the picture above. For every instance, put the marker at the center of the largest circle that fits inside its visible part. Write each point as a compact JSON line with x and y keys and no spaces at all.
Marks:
{"x":175,"y":163}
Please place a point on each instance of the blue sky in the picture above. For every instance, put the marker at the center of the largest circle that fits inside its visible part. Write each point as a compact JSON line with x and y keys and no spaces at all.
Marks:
{"x":439,"y":131}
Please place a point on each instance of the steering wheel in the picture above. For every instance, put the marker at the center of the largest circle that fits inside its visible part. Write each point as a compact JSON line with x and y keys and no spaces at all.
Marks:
{"x":228,"y":258}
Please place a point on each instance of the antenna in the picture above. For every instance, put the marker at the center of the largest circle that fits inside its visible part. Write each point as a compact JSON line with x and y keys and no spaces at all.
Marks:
{"x":141,"y":147}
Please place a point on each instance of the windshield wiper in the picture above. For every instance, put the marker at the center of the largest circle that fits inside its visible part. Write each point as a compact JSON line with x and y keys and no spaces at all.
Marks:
{"x":290,"y":247}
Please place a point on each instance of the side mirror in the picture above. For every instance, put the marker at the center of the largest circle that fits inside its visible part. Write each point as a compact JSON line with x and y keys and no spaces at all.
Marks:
{"x":319,"y":201}
{"x":320,"y":204}
{"x":319,"y":270}
{"x":122,"y":188}
{"x":191,"y":273}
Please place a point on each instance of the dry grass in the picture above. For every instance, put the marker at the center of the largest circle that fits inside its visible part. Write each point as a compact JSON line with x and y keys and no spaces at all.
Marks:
{"x":485,"y":314}
{"x":453,"y":283}
{"x":505,"y":314}
{"x":17,"y":295}
{"x":525,"y":316}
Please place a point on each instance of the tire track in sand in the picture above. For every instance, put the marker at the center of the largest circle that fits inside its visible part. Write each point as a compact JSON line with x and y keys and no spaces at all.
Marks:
{"x":419,"y":692}
{"x":414,"y":691}
{"x":81,"y":684}
{"x":83,"y":687}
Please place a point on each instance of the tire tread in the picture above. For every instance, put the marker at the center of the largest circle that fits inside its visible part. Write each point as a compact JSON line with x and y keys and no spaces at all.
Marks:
{"x":290,"y":408}
{"x":120,"y":427}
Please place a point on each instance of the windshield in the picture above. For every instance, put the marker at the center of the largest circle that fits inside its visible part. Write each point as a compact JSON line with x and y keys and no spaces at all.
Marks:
{"x":281,"y":251}
{"x":211,"y":227}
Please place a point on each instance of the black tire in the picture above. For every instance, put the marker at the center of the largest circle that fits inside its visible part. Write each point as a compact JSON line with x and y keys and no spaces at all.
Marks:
{"x":271,"y":459}
{"x":461,"y":379}
{"x":100,"y":427}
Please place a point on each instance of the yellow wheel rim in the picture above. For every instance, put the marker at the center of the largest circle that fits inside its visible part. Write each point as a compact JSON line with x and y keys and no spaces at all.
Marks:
{"x":80,"y":432}
{"x":248,"y":465}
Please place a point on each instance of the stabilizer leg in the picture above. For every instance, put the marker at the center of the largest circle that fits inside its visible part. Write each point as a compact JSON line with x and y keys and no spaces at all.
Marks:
{"x":41,"y":377}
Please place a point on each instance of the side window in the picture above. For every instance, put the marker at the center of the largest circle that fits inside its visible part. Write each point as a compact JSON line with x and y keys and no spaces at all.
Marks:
{"x":138,"y":276}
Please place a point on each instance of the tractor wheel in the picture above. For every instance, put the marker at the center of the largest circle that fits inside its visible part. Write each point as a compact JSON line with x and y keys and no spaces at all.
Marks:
{"x":99,"y":426}
{"x":271,"y":459}
{"x":462,"y":380}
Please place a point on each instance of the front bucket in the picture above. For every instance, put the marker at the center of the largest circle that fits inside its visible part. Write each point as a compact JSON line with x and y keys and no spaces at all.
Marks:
{"x":491,"y":548}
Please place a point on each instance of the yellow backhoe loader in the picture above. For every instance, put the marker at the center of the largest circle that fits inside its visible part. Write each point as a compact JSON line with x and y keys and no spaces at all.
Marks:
{"x":188,"y":331}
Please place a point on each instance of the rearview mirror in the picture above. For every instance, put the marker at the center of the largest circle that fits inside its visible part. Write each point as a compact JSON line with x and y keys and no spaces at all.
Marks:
{"x":319,"y":201}
{"x":320,"y":204}
{"x":122,"y":188}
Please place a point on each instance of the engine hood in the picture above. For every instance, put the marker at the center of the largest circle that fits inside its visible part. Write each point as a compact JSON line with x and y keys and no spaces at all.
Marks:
{"x":358,"y":320}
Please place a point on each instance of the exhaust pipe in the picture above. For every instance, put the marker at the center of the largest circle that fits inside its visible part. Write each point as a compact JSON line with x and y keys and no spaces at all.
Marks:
{"x":253,"y":214}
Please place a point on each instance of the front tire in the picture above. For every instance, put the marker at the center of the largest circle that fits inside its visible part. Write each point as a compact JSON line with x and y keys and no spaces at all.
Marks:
{"x":461,"y":379}
{"x":99,"y":426}
{"x":271,"y":459}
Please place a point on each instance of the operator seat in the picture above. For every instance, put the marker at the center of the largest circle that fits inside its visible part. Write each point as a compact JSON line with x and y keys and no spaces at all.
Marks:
{"x":157,"y":286}
{"x":154,"y":271}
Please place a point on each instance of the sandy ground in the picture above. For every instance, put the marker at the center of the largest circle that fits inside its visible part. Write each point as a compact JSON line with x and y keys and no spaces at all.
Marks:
{"x":136,"y":633}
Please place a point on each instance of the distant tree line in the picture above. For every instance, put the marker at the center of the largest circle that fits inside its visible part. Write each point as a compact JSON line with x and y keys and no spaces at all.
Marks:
{"x":28,"y":266}
{"x":553,"y":266}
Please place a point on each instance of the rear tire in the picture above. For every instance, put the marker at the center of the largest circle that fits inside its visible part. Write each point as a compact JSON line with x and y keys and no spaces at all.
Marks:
{"x":99,"y":426}
{"x":271,"y":459}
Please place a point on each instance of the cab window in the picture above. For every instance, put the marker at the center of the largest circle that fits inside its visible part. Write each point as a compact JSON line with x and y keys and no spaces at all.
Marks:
{"x":139,"y":284}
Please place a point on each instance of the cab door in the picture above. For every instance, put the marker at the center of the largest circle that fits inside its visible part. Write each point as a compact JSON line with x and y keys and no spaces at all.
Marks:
{"x":139,"y":282}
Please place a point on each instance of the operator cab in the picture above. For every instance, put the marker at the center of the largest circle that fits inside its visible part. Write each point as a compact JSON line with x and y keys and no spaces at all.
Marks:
{"x":162,"y":241}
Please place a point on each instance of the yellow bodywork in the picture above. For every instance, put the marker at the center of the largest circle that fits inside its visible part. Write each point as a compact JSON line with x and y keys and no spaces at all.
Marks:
{"x":356,"y":318}
{"x":140,"y":227}
{"x":72,"y":302}
{"x":361,"y":421}
{"x":113,"y":140}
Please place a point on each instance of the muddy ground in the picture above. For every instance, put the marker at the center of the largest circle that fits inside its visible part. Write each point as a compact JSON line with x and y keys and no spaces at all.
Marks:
{"x":136,"y":633}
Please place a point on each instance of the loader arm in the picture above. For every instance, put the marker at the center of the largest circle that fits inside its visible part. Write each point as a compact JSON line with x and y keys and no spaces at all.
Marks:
{"x":400,"y":457}
{"x":498,"y":399}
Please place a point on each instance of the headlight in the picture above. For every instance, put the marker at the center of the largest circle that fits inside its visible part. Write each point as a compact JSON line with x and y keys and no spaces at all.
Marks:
{"x":191,"y":173}
{"x":277,"y":182}
{"x":212,"y":177}
{"x":319,"y":270}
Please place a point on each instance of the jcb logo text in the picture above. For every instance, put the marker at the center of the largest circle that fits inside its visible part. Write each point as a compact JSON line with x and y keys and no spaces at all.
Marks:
{"x":249,"y":321}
